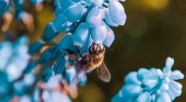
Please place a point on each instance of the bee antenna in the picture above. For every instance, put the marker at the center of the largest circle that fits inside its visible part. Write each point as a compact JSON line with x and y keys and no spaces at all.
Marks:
{"x":108,"y":48}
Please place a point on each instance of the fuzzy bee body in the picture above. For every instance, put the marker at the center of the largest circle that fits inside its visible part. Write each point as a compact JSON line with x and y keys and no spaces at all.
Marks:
{"x":94,"y":59}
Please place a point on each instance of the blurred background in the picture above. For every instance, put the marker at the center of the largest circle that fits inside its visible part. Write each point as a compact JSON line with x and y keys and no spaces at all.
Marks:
{"x":154,"y":30}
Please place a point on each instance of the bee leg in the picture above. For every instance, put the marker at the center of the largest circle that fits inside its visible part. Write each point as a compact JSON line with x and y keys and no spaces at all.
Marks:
{"x":72,"y":55}
{"x":79,"y":51}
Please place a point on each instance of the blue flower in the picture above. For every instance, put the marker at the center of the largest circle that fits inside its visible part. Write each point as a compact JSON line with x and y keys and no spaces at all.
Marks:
{"x":4,"y":4}
{"x":15,"y":69}
{"x":92,"y":20}
{"x":152,"y":85}
{"x":83,"y":22}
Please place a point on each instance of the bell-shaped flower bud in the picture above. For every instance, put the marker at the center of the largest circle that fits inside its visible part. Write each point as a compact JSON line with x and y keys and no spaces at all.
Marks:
{"x":59,"y":66}
{"x":109,"y":37}
{"x":98,"y":33}
{"x":74,"y":12}
{"x":4,"y":4}
{"x":47,"y":73}
{"x":145,"y":97}
{"x":31,"y":65}
{"x":49,"y":32}
{"x":94,"y":18}
{"x":45,"y":57}
{"x":66,"y":43}
{"x":36,"y":46}
{"x":81,"y":34}
{"x":109,"y":21}
{"x":36,"y":2}
{"x":85,"y":48}
{"x":60,"y":23}
{"x":65,"y":3}
{"x":163,"y":97}
{"x":131,"y":78}
{"x":58,"y":11}
{"x":117,"y":12}
{"x":131,"y":90}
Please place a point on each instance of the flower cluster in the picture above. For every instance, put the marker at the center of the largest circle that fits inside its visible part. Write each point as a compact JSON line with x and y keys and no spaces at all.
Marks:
{"x":58,"y":87}
{"x":14,"y":58}
{"x":83,"y":22}
{"x":151,"y":85}
{"x":20,"y":81}
{"x":55,"y":83}
{"x":86,"y":19}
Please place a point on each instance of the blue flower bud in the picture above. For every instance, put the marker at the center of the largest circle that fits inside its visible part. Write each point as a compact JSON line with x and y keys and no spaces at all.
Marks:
{"x":169,"y":63}
{"x":98,"y":33}
{"x":94,"y":18}
{"x":120,"y":20}
{"x":45,"y":57}
{"x":175,"y":91}
{"x":47,"y":73}
{"x":19,"y":88}
{"x":66,"y":43}
{"x":150,"y":81}
{"x":49,"y":32}
{"x":142,"y":72}
{"x":117,"y":12}
{"x":19,"y":12}
{"x":59,"y":66}
{"x":172,"y":96}
{"x":109,"y":21}
{"x":29,"y":79}
{"x":65,"y":3}
{"x":18,"y":2}
{"x":74,"y":12}
{"x":131,"y":78}
{"x":4,"y":85}
{"x":85,"y":48}
{"x":163,"y":97}
{"x":76,"y":1}
{"x":67,"y":77}
{"x":60,"y":23}
{"x":176,"y":75}
{"x":144,"y":97}
{"x":81,"y":34}
{"x":36,"y":46}
{"x":29,"y":67}
{"x":109,"y":37}
{"x":97,"y":3}
{"x":4,"y":4}
{"x":115,"y":9}
{"x":83,"y":82}
{"x":23,"y":40}
{"x":58,"y":11}
{"x":25,"y":98}
{"x":131,"y":90}
{"x":36,"y":2}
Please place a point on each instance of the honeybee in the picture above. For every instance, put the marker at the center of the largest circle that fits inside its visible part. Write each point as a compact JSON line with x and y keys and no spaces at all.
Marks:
{"x":94,"y":59}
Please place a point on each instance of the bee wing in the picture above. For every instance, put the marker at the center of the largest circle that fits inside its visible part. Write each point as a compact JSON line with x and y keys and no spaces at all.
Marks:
{"x":103,"y":73}
{"x":79,"y":76}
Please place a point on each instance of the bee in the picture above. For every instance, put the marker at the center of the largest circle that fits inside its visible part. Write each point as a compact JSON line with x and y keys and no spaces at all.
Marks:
{"x":94,"y":59}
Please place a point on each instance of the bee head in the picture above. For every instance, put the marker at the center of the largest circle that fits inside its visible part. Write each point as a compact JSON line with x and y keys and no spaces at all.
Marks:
{"x":96,"y":48}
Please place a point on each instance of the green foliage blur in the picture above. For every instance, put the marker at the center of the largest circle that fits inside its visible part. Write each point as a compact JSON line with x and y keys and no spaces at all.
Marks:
{"x":154,"y":30}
